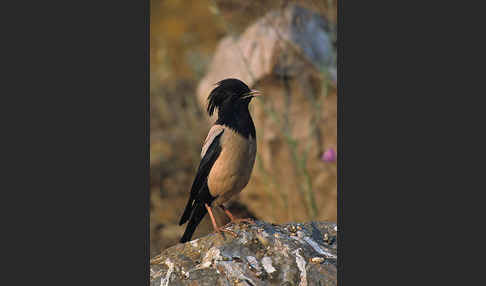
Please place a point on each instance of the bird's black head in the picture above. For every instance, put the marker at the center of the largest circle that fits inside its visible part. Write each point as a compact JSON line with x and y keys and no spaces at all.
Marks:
{"x":230,"y":95}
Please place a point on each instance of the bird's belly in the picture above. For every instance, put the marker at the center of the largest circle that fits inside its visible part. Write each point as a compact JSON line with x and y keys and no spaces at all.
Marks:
{"x":231,"y":173}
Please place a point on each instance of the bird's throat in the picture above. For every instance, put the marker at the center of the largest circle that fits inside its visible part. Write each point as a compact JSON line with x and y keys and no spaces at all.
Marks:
{"x":239,"y":120}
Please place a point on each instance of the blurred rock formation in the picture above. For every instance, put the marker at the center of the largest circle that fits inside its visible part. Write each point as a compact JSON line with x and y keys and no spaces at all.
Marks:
{"x":289,"y":54}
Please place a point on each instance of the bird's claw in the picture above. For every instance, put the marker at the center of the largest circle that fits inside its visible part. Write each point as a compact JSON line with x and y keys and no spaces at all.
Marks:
{"x":223,"y":229}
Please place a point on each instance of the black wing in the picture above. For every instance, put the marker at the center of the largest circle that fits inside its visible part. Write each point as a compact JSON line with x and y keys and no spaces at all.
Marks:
{"x":199,"y":190}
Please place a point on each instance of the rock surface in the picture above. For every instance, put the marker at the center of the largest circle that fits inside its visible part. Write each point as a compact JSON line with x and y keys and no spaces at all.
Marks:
{"x":261,"y":254}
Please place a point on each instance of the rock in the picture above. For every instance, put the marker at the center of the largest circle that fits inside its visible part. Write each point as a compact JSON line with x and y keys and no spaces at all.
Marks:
{"x":283,"y":42}
{"x":291,"y":254}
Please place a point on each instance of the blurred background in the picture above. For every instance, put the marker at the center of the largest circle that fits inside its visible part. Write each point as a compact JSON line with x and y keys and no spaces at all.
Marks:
{"x":287,"y":49}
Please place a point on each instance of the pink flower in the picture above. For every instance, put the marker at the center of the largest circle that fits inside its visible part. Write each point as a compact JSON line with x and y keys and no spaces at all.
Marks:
{"x":329,"y":155}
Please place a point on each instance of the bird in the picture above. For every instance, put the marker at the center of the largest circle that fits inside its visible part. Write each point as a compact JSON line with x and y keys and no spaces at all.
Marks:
{"x":227,"y":156}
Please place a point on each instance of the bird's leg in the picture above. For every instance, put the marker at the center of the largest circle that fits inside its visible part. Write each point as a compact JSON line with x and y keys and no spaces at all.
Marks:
{"x":233,"y":219}
{"x":215,"y":226}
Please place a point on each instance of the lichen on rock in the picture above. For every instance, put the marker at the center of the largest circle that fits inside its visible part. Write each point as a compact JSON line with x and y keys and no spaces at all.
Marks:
{"x":262,"y":254}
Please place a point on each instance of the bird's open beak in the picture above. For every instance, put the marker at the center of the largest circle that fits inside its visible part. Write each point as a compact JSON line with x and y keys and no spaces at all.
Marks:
{"x":252,"y":93}
{"x":255,"y":92}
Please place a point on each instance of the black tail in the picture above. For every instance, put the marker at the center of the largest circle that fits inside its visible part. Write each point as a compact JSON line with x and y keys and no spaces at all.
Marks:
{"x":197,"y":215}
{"x":187,"y":212}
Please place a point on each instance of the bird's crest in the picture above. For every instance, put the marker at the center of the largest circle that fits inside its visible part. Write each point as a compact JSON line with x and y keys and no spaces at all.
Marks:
{"x":226,"y":88}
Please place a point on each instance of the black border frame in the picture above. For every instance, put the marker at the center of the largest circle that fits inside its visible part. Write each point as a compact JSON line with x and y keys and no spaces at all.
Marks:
{"x":76,"y":96}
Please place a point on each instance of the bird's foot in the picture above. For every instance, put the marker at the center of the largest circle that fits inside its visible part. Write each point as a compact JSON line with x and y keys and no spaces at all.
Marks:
{"x":223,"y":229}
